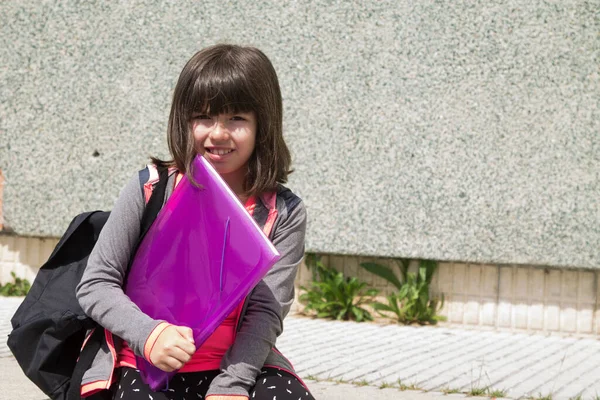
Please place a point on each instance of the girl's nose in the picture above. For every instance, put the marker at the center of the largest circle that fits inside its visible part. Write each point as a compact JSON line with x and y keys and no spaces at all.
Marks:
{"x":219,"y":131}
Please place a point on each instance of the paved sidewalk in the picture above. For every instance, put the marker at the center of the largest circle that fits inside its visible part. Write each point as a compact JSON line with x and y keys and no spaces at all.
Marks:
{"x":439,"y":359}
{"x":434,"y":359}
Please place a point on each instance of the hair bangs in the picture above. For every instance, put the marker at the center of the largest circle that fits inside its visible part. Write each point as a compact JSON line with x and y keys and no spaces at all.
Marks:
{"x":220,"y":88}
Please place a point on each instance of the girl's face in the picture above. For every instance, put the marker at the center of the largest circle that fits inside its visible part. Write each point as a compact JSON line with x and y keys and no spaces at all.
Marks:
{"x":227,"y":142}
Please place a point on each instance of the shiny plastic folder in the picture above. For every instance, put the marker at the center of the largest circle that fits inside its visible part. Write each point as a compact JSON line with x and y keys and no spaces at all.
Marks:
{"x":199,"y":260}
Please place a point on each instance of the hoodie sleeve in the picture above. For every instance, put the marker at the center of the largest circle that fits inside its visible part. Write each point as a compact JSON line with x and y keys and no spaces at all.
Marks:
{"x":268,"y":304}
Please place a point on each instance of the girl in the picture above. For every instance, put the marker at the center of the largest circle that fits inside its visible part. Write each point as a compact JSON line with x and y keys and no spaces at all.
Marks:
{"x":226,"y":106}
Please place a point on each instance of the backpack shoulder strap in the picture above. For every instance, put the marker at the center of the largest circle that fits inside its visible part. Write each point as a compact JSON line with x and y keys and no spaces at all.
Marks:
{"x":156,"y":201}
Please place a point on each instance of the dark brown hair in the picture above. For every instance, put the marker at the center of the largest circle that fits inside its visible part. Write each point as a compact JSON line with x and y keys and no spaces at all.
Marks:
{"x":231,"y":79}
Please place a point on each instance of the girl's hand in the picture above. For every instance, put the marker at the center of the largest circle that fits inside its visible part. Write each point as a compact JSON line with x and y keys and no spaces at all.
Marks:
{"x":173,"y":348}
{"x":222,"y":397}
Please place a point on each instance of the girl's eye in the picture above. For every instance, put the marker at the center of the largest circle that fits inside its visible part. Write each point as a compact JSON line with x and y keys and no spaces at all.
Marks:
{"x":201,"y":116}
{"x":238,"y":118}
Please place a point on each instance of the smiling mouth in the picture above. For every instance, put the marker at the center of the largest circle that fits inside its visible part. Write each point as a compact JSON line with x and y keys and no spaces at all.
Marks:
{"x":219,"y":152}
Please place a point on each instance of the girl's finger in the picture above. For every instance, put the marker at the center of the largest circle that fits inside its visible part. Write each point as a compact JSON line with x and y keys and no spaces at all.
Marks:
{"x":179,"y":354}
{"x":174,"y":363}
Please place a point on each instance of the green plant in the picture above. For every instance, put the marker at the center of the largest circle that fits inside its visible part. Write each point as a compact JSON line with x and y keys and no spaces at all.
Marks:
{"x":361,"y":383}
{"x":450,"y":391}
{"x":385,"y":385}
{"x":312,"y":260}
{"x":403,"y":386}
{"x":411,"y":303}
{"x":578,"y":397}
{"x":19,"y":287}
{"x":331,"y":295}
{"x":477,"y":391}
{"x":495,"y":393}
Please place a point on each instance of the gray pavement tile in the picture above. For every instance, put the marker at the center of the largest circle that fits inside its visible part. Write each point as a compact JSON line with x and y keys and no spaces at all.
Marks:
{"x":434,"y":393}
{"x":376,"y":352}
{"x":14,"y":383}
{"x":427,"y":366}
{"x":8,"y":306}
{"x":591,"y":393}
{"x":462,"y":370}
{"x":528,"y":377}
{"x":468,"y":373}
{"x":351,"y":392}
{"x":402,"y":356}
{"x":588,"y":385}
{"x":557,"y":373}
{"x":443,"y":370}
{"x":514,"y":364}
{"x":347,"y":348}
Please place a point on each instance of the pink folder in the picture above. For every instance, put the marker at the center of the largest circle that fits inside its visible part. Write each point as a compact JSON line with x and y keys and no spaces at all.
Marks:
{"x":201,"y":257}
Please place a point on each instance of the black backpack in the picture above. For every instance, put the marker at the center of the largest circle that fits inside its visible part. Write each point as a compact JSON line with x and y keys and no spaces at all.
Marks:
{"x":49,"y":327}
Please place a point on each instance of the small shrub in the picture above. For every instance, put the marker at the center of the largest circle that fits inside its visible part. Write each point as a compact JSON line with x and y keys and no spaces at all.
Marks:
{"x":361,"y":383}
{"x":331,"y":295}
{"x":411,"y":303}
{"x":18,"y":287}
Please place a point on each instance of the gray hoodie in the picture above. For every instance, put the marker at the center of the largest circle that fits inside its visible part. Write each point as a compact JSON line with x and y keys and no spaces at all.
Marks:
{"x":101,"y":296}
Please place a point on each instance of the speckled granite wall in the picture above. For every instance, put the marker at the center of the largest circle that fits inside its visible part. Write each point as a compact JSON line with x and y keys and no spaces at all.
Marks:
{"x":454,"y":130}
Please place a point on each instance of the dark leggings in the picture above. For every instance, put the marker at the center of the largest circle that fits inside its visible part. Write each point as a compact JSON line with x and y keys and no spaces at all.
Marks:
{"x":271,"y":384}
